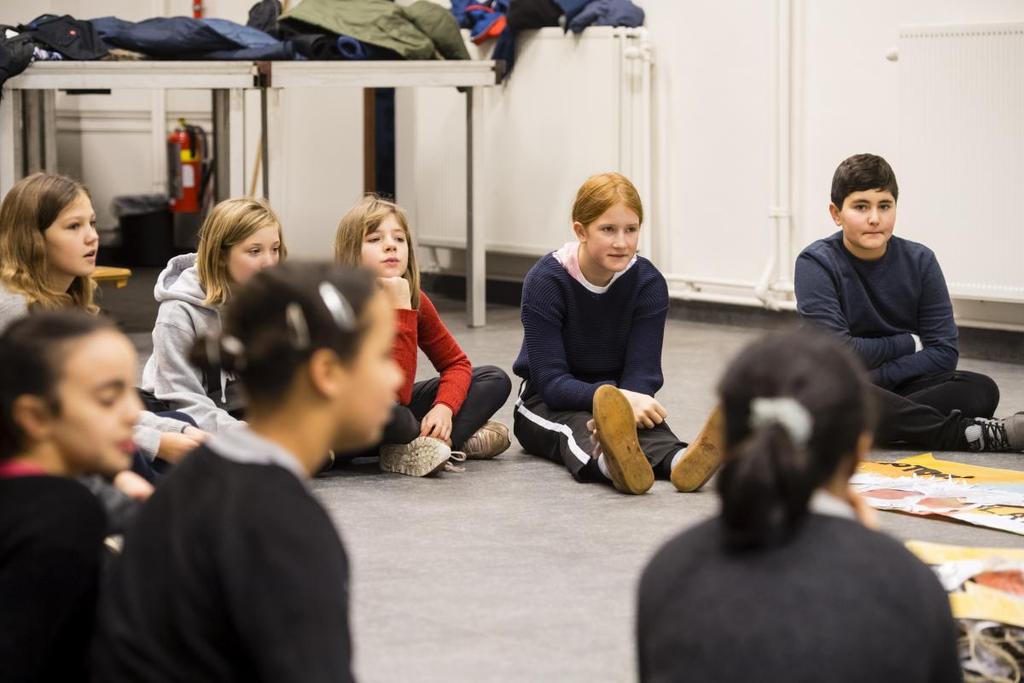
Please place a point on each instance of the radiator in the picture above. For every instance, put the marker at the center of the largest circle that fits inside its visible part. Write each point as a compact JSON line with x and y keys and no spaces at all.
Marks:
{"x":573,"y":106}
{"x":961,"y":154}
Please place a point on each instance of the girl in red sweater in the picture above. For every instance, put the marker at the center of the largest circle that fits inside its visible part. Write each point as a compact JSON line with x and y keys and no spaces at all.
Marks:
{"x":441,"y":418}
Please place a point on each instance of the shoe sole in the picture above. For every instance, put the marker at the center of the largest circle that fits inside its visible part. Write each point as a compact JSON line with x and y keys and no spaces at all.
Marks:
{"x":616,"y":431}
{"x":420,"y":465}
{"x":703,"y":457}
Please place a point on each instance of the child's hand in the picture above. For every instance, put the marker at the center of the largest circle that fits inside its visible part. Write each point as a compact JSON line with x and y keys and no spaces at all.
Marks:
{"x":646,"y":409}
{"x":173,"y":446}
{"x":594,"y":441}
{"x":398,"y":289}
{"x":437,"y":423}
{"x":132,"y":485}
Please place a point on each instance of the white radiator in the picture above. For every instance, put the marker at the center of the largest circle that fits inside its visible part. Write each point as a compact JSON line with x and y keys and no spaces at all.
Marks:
{"x":961,"y":161}
{"x":573,"y":106}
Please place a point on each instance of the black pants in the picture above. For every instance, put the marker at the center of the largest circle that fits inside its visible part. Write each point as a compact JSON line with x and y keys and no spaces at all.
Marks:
{"x":932,"y":412}
{"x":562,"y":436}
{"x":488,"y":391}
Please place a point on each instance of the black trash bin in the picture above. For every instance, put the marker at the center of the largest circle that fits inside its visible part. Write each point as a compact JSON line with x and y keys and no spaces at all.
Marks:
{"x":147,"y":229}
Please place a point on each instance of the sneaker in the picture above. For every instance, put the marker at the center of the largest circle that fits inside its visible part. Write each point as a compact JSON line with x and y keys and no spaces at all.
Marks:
{"x":701,"y":458}
{"x":996,"y":435}
{"x":421,"y":457}
{"x":616,"y":431}
{"x":490,"y":440}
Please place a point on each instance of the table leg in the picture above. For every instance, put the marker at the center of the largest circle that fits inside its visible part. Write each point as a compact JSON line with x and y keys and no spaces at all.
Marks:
{"x":10,"y":130}
{"x":236,"y":142}
{"x":476,"y":251}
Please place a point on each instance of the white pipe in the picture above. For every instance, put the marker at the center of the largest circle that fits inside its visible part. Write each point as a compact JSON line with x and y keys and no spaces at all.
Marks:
{"x":780,"y":211}
{"x":729,"y":299}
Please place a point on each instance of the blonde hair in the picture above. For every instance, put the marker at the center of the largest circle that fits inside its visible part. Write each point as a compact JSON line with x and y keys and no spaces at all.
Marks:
{"x":229,"y":223}
{"x":362,"y":219}
{"x":29,"y":208}
{"x":603,"y":191}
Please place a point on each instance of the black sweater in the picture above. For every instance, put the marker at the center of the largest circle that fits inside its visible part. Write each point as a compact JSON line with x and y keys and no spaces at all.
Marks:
{"x":231,"y":572}
{"x":51,"y":543}
{"x":838,"y":603}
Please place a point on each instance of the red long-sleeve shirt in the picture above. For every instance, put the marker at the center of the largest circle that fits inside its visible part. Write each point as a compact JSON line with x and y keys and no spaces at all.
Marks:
{"x":424,"y":329}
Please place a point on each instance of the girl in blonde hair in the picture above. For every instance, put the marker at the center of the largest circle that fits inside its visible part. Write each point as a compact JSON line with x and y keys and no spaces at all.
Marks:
{"x":438,"y":416}
{"x":48,"y":247}
{"x":593,"y":317}
{"x":239,"y":238}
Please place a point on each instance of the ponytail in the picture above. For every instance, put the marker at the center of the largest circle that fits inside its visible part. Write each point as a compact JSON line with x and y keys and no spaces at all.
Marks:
{"x":764,"y":488}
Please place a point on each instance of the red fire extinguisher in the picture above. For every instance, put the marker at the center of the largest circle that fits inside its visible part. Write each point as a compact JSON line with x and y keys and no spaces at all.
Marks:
{"x":185,"y":151}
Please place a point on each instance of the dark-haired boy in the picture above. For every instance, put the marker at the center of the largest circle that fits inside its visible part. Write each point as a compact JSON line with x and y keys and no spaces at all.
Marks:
{"x":886,"y":297}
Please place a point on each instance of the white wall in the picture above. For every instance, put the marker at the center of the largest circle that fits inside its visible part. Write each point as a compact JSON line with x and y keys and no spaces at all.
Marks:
{"x":713,"y":89}
{"x":712,"y":127}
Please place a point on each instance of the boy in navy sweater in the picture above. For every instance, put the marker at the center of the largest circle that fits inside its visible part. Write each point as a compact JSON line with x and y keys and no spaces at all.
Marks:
{"x":593,"y":317}
{"x":887,"y":299}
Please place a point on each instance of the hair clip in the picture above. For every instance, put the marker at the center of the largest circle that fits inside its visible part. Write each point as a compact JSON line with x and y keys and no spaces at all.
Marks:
{"x":298,"y":330}
{"x":338,"y":306}
{"x":786,"y":412}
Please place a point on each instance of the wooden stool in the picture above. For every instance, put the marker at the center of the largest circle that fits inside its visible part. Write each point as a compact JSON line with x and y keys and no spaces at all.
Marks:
{"x":106,"y":275}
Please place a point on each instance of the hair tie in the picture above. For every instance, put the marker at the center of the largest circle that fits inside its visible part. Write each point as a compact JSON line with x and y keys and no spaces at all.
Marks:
{"x":786,"y":412}
{"x":338,"y":306}
{"x":298,"y":330}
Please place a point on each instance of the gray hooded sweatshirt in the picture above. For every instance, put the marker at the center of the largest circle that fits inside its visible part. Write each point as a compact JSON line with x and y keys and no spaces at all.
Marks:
{"x":146,"y":434}
{"x":205,"y":394}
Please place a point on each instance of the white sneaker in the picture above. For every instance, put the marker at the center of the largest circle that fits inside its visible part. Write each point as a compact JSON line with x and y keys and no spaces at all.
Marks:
{"x":421,"y":457}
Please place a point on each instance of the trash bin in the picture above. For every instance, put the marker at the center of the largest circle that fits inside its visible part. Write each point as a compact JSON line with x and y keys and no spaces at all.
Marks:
{"x":147,"y":229}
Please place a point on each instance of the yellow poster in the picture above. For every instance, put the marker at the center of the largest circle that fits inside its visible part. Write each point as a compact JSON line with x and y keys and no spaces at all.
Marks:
{"x":924,"y":485}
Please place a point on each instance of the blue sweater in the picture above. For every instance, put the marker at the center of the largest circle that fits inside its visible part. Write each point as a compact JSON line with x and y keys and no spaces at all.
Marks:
{"x":575,"y":340}
{"x":875,"y":306}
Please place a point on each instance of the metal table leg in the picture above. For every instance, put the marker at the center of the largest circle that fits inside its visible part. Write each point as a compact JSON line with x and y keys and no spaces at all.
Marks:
{"x":476,"y":252}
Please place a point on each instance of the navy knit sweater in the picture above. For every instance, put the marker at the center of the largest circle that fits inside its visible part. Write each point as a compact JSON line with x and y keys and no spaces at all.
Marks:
{"x":575,"y":340}
{"x":875,"y":306}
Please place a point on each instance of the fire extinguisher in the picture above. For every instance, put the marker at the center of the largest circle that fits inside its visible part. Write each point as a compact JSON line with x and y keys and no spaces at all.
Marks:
{"x":186,"y":171}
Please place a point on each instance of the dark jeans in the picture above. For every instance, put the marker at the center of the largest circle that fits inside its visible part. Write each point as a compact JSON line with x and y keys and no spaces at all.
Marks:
{"x":488,"y":391}
{"x":932,"y":412}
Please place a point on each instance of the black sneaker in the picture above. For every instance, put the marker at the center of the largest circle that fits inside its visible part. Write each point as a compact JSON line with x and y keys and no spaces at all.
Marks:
{"x":996,"y":435}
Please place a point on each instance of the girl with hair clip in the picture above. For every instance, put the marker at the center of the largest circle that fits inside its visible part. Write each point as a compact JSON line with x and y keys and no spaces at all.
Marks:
{"x":48,"y":247}
{"x":791,"y":582}
{"x":593,"y":317}
{"x":239,"y":238}
{"x":439,"y":417}
{"x":67,"y":407}
{"x":215,"y":583}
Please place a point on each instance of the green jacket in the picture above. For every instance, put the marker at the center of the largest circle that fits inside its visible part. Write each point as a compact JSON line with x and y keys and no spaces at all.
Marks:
{"x":424,"y":30}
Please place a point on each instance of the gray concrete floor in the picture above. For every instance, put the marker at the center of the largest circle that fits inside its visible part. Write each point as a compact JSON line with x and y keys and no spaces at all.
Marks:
{"x":511,"y":571}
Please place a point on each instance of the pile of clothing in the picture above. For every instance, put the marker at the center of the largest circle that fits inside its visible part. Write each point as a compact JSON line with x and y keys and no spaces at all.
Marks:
{"x":502,"y":19}
{"x":314,"y":29}
{"x":48,"y":37}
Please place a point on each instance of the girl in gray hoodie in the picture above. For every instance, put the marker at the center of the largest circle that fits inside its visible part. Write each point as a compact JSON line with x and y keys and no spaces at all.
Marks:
{"x":239,"y":238}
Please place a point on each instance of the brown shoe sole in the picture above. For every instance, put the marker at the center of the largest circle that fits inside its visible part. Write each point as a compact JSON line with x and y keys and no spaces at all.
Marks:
{"x":703,"y":457}
{"x":616,"y":431}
